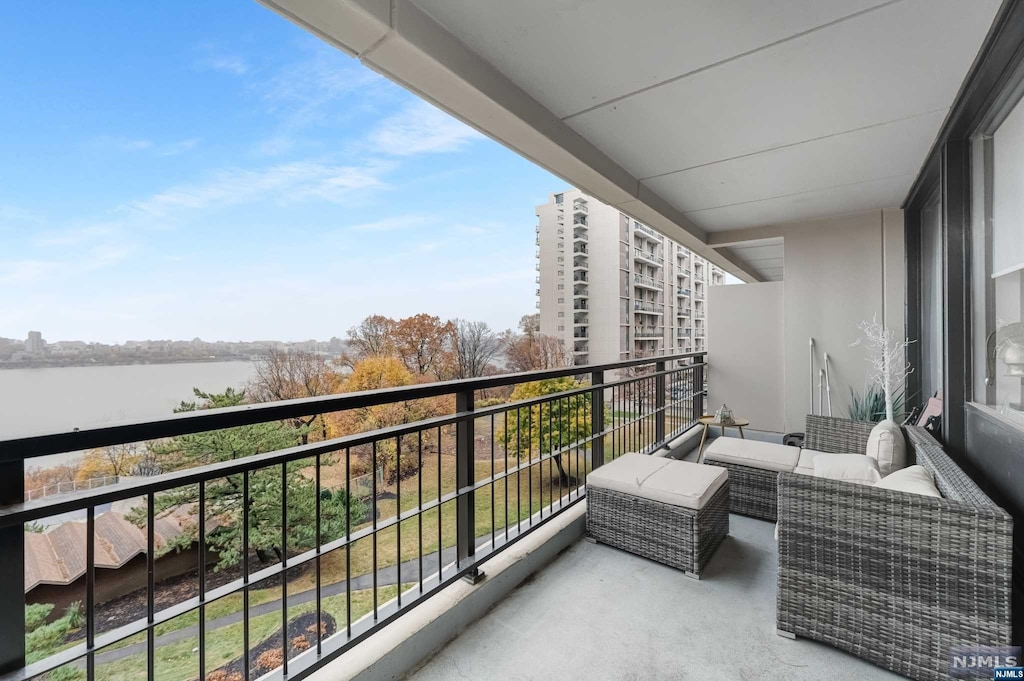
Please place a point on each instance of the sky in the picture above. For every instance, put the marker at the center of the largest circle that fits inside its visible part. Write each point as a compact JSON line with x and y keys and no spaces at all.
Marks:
{"x":176,"y":169}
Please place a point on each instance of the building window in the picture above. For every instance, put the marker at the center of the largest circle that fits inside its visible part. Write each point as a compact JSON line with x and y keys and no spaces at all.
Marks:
{"x":558,"y":198}
{"x":561,"y":327}
{"x":561,"y":300}
{"x":998,"y":266}
{"x":561,"y":287}
{"x":561,"y":314}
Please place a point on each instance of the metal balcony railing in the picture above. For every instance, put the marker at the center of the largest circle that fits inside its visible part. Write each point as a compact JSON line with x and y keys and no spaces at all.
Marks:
{"x":644,"y":306}
{"x":683,"y":292}
{"x":580,"y":237}
{"x":648,"y":331}
{"x":580,"y":249}
{"x":637,"y":405}
{"x":579,"y":305}
{"x":641,"y":254}
{"x":643,"y":229}
{"x":580,"y":276}
{"x":649,"y":282}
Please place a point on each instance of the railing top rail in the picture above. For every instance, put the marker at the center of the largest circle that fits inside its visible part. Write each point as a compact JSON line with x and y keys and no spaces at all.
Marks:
{"x":37,"y":509}
{"x":21,"y":448}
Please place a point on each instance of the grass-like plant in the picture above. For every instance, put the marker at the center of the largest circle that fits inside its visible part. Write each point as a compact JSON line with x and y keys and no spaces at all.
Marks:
{"x":871,"y":406}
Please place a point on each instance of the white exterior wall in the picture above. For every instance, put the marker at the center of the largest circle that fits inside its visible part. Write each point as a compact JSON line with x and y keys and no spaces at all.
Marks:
{"x":612,"y":294}
{"x":839,"y":272}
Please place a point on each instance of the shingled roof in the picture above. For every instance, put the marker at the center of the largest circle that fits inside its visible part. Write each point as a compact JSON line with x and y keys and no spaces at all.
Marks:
{"x":57,"y":556}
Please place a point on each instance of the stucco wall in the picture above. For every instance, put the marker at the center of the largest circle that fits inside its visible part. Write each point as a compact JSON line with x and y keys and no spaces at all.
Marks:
{"x":745,"y":352}
{"x":838,"y":272}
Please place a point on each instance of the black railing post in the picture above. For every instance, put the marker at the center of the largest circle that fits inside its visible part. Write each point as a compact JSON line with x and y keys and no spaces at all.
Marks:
{"x":12,"y":567}
{"x":465,"y":461}
{"x":597,"y":420}
{"x":659,"y":403}
{"x":698,"y":387}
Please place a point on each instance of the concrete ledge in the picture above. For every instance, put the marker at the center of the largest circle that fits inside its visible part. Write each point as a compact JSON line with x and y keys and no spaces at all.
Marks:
{"x":407,"y":643}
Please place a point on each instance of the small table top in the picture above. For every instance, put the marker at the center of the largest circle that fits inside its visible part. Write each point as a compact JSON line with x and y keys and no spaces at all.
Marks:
{"x":709,"y":420}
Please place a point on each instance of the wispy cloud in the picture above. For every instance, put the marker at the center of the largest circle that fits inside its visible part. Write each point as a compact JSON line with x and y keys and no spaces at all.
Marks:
{"x":306,"y":92}
{"x":118,"y":144}
{"x":421,"y":128}
{"x":393,"y":224}
{"x":283,"y":183}
{"x":215,"y":60}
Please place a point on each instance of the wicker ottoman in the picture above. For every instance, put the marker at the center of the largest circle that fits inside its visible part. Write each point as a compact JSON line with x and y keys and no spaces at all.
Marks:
{"x":754,"y":469}
{"x":673,"y":512}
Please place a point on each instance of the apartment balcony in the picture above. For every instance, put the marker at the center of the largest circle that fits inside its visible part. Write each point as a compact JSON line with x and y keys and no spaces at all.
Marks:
{"x":683,"y":292}
{"x":580,"y":264}
{"x":580,"y":235}
{"x":647,"y":282}
{"x":648,"y":233}
{"x":580,"y":333}
{"x":581,"y":291}
{"x":683,"y":333}
{"x":580,"y":220}
{"x":648,"y":331}
{"x":581,"y":319}
{"x":579,"y":207}
{"x":648,"y":308}
{"x":580,"y":304}
{"x":580,"y":276}
{"x":580,"y":249}
{"x":645,"y":256}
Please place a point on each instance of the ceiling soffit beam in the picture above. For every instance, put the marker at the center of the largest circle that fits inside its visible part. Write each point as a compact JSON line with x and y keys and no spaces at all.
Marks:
{"x":401,"y":42}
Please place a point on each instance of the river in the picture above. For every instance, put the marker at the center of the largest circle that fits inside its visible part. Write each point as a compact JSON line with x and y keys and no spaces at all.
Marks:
{"x":38,"y":401}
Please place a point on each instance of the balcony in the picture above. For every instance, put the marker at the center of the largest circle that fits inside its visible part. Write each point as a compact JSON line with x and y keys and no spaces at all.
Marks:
{"x":647,"y":282}
{"x":580,"y":264}
{"x":648,"y":331}
{"x":580,"y":276}
{"x":581,"y":319}
{"x":581,"y":291}
{"x":579,"y":235}
{"x":683,"y":292}
{"x":580,"y":249}
{"x":580,"y":333}
{"x":489,"y":525}
{"x":648,"y":307}
{"x":580,"y":304}
{"x":645,"y":256}
{"x":647,"y":232}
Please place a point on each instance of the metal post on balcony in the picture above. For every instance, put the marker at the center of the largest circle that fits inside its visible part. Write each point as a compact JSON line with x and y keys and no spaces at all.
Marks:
{"x":12,"y":567}
{"x":659,"y":402}
{"x":698,"y":387}
{"x":464,"y":477}
{"x":597,"y":419}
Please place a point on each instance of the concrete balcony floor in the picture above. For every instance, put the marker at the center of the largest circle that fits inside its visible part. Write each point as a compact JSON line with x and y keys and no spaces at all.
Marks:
{"x":599,"y":613}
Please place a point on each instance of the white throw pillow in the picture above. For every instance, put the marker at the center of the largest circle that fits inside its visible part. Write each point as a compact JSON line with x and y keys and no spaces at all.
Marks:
{"x":913,"y":479}
{"x":887,"y":447}
{"x":857,"y":468}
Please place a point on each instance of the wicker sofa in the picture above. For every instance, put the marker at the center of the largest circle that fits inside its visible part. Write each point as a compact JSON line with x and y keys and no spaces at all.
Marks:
{"x":897,"y":579}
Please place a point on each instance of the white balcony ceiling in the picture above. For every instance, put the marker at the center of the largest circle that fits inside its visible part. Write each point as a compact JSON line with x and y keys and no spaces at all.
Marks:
{"x":747,"y":112}
{"x":696,"y":116}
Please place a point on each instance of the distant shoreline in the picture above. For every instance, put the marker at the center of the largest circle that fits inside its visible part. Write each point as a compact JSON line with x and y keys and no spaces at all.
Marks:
{"x":69,"y":363}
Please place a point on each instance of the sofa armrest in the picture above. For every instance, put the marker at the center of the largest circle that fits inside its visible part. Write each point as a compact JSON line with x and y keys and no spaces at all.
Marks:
{"x":894,"y":577}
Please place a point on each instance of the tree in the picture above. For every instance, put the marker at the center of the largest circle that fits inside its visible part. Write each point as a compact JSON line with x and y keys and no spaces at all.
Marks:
{"x":292,"y":375}
{"x":424,"y":344}
{"x":887,"y":356}
{"x":225,"y":496}
{"x":43,"y":639}
{"x":534,"y":352}
{"x":476,"y":346}
{"x":114,"y":460}
{"x":377,"y":373}
{"x":373,"y":337}
{"x":549,"y":426}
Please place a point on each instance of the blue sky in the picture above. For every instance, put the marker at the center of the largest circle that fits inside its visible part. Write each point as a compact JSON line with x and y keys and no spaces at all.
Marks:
{"x":180,"y":169}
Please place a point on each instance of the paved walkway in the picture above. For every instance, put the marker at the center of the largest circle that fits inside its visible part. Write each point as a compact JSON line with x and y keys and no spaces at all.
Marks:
{"x":385,"y":577}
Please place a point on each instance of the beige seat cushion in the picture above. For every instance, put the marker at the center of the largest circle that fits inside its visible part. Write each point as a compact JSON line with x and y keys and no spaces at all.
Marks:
{"x":887,"y":446}
{"x":856,"y":468}
{"x":753,"y":454}
{"x":913,"y":479}
{"x":805,"y":464}
{"x":679,"y":483}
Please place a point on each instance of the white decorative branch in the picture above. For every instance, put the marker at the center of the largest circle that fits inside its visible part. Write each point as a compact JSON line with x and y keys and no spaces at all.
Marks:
{"x":887,"y":356}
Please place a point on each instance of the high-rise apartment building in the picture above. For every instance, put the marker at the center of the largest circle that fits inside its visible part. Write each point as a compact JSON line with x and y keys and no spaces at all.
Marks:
{"x":614,"y":288}
{"x":35,"y":343}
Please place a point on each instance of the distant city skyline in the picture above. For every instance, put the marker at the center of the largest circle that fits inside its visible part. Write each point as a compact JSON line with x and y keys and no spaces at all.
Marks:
{"x":209,"y":169}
